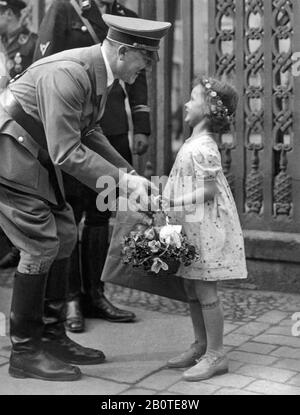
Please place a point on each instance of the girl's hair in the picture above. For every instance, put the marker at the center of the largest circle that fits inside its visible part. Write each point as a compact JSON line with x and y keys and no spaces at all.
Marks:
{"x":221,"y":99}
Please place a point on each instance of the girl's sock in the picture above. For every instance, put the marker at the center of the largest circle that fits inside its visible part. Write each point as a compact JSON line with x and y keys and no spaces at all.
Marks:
{"x":214,"y":324}
{"x":198,"y":323}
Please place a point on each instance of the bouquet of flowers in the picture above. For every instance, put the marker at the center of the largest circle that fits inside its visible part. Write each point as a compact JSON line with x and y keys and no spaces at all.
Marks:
{"x":158,"y":248}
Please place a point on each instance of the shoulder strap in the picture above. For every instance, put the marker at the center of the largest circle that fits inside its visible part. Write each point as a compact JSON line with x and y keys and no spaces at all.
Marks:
{"x":85,"y":22}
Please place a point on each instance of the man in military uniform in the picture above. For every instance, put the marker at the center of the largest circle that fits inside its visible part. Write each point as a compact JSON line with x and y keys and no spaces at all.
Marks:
{"x":49,"y":121}
{"x":67,"y":25}
{"x":19,"y":44}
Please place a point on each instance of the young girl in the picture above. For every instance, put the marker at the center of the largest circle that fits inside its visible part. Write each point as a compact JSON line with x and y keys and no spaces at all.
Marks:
{"x":210,"y":221}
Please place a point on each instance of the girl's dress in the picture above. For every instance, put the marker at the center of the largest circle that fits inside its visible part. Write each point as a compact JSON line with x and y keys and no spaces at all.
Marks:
{"x":213,"y":227}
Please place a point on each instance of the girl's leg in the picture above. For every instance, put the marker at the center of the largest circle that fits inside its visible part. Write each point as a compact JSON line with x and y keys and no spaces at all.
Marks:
{"x":212,"y":312}
{"x":214,"y":361}
{"x":198,"y":348}
{"x":196,"y":313}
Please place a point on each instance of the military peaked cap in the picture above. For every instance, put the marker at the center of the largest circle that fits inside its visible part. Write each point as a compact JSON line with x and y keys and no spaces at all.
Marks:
{"x":17,"y":4}
{"x":134,"y":32}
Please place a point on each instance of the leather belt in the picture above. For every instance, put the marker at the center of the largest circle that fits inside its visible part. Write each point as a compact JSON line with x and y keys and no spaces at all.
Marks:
{"x":36,"y":131}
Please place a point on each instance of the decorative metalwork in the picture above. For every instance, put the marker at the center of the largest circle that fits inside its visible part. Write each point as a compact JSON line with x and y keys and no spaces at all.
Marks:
{"x":226,"y":68}
{"x":254,"y":103}
{"x":283,"y":192}
{"x":283,"y":97}
{"x":254,"y":182}
{"x":256,"y":52}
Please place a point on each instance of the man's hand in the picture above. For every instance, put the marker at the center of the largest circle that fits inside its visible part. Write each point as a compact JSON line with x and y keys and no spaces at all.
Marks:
{"x":140,"y":144}
{"x":140,"y":191}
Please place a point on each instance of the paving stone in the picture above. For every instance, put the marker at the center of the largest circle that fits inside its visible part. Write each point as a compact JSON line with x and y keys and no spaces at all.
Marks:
{"x":161,"y":380}
{"x":287,"y":352}
{"x":265,"y":372}
{"x":228,"y":327}
{"x":84,"y":386}
{"x":127,"y":371}
{"x":252,"y":329}
{"x":295,"y":380}
{"x":281,"y":330}
{"x":233,"y":391}
{"x":287,"y":322}
{"x":278,"y":340}
{"x":293,"y":364}
{"x":235,"y":339}
{"x":272,"y":317}
{"x":253,"y":347}
{"x":193,"y":388}
{"x":230,"y":380}
{"x":272,"y":388}
{"x":234,"y":365}
{"x":252,"y":358}
{"x":138,"y":391}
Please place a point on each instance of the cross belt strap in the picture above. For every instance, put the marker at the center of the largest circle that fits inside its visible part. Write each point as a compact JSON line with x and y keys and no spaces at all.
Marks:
{"x":85,"y":21}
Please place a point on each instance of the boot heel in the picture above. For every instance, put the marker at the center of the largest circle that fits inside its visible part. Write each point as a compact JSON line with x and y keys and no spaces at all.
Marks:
{"x":16,"y":373}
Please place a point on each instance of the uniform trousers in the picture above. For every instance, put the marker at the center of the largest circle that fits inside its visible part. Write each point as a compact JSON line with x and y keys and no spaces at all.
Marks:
{"x":42,"y":232}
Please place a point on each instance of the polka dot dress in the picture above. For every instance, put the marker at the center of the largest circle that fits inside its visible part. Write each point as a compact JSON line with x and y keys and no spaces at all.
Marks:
{"x":213,"y":227}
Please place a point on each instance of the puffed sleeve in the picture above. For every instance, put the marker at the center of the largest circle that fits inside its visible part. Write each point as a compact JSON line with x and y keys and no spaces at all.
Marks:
{"x":206,"y":161}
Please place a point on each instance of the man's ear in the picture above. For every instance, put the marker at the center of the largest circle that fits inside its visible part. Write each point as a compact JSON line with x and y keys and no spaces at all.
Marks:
{"x":10,"y":13}
{"x":121,"y":52}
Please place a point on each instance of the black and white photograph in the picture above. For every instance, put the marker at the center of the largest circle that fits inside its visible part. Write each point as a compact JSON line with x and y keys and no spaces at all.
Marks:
{"x":149,"y":200}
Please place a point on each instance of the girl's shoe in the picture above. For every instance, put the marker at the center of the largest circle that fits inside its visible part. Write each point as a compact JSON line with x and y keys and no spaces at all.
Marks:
{"x":211,"y":364}
{"x":187,"y":358}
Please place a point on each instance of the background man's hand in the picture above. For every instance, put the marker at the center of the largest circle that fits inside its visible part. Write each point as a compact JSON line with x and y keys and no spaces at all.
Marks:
{"x":140,"y":144}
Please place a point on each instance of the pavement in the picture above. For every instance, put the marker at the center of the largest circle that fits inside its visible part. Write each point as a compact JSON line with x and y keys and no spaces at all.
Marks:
{"x":262,"y":338}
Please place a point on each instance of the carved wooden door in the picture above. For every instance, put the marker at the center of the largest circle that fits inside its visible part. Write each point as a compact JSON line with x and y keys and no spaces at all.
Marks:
{"x":252,"y":42}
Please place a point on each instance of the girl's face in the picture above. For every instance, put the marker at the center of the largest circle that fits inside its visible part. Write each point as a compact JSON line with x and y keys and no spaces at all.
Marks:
{"x":196,"y":107}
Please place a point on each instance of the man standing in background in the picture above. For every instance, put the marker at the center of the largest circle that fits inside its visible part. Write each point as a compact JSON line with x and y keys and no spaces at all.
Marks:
{"x":71,"y":24}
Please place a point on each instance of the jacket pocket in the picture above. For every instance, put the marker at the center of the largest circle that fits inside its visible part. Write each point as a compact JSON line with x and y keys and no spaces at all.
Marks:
{"x":17,"y":164}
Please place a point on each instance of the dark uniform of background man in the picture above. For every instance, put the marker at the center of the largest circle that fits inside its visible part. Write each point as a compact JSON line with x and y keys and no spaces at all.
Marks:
{"x":19,"y":44}
{"x":63,"y":28}
{"x":49,"y":122}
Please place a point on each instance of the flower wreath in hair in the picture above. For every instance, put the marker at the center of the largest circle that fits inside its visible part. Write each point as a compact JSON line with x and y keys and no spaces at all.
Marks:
{"x":215,"y":103}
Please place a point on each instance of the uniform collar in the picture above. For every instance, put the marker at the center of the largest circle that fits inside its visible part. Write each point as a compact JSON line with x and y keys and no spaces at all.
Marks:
{"x":110,"y":75}
{"x":100,"y":70}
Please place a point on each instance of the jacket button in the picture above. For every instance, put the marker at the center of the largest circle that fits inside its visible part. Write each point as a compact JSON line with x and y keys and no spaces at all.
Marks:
{"x":83,"y":28}
{"x":20,"y":139}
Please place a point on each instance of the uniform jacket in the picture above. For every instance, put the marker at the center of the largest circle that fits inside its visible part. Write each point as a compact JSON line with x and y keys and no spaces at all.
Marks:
{"x":58,"y":93}
{"x":20,"y":48}
{"x":63,"y":29}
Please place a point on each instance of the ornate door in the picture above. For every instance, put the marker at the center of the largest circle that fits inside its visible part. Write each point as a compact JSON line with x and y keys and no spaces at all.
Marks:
{"x":252,"y":42}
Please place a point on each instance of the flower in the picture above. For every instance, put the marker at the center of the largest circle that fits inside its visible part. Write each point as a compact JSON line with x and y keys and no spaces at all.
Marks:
{"x":158,"y":264}
{"x":170,"y":235}
{"x":157,"y":247}
{"x":149,"y":234}
{"x":154,"y":246}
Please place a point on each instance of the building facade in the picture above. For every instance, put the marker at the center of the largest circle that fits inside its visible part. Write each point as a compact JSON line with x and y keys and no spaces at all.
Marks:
{"x":252,"y":43}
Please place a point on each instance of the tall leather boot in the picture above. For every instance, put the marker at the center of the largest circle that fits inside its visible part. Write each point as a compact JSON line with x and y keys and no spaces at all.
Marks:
{"x":55,"y":340}
{"x":74,"y":317}
{"x":94,"y":250}
{"x":28,"y":359}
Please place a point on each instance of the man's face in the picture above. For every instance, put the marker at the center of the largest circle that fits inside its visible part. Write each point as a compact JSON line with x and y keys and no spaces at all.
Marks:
{"x":131,"y":63}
